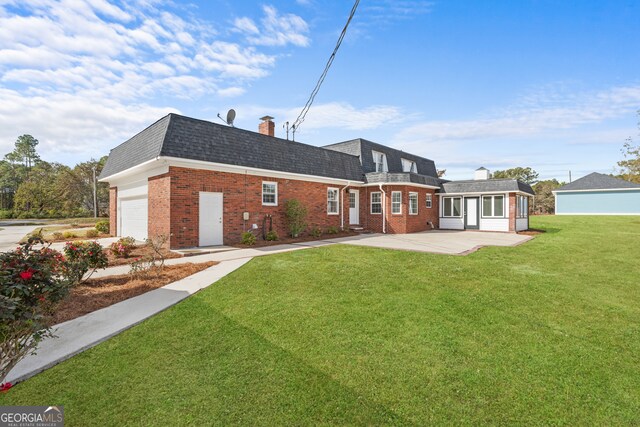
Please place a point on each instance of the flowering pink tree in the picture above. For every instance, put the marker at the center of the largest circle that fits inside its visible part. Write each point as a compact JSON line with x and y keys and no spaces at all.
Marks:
{"x":32,"y":283}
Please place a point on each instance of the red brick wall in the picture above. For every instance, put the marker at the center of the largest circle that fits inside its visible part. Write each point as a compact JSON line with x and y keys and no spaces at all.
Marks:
{"x":113,"y":211}
{"x":242,"y":193}
{"x":159,"y":205}
{"x":512,"y":211}
{"x":401,"y":223}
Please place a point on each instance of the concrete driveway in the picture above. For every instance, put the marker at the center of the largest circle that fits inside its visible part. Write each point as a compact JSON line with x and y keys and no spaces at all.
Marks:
{"x":436,"y":241}
{"x":10,"y":235}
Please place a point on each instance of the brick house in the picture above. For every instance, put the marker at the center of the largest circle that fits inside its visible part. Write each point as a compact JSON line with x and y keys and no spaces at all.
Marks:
{"x":205,"y":184}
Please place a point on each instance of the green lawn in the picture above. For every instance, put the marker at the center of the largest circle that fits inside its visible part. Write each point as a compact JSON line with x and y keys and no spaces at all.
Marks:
{"x":544,"y":333}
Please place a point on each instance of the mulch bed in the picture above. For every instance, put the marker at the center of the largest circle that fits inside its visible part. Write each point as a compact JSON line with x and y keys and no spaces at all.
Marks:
{"x":531,"y":232}
{"x":139,"y":252}
{"x":287,"y":240}
{"x":105,"y":291}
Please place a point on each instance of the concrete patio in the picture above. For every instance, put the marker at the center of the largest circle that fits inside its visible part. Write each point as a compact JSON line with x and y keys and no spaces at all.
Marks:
{"x":437,"y":241}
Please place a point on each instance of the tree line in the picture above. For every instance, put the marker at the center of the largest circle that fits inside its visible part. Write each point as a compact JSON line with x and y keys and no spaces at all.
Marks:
{"x":31,"y":187}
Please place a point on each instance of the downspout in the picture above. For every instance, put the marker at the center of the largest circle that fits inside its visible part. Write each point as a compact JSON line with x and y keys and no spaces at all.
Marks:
{"x":384,"y":210}
{"x":342,"y":205}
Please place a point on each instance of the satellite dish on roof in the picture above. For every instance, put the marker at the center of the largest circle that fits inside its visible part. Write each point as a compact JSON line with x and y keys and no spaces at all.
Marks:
{"x":231,"y":116}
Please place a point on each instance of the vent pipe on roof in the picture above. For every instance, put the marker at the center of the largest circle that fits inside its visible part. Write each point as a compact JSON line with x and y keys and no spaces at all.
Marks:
{"x":267,"y":127}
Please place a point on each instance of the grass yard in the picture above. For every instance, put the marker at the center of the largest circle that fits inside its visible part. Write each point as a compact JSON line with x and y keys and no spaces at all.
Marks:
{"x":544,"y":333}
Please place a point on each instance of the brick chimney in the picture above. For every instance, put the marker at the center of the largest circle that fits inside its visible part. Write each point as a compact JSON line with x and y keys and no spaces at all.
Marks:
{"x":267,"y":127}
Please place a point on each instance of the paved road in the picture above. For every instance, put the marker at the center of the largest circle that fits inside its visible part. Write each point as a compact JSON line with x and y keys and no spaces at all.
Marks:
{"x":11,"y":235}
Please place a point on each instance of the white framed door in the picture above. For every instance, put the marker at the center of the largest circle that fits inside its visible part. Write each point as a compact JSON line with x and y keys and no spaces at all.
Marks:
{"x":354,"y":207}
{"x":471,"y":213}
{"x":210,"y":219}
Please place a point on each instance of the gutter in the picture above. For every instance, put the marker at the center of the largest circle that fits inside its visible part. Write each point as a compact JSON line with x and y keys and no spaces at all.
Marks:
{"x":384,"y":209}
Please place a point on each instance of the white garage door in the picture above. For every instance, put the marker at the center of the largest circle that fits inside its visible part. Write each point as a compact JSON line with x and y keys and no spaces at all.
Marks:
{"x":133,"y":218}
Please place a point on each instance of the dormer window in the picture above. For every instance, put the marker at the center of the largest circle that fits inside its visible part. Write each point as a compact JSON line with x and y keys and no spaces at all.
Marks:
{"x":409,"y":166}
{"x":380,"y":160}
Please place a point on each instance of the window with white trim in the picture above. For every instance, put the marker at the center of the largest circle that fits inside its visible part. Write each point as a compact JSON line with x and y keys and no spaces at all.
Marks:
{"x":376,"y":202}
{"x":413,"y":203}
{"x":451,"y":207}
{"x":332,"y":201}
{"x":396,"y":202}
{"x":429,"y":201}
{"x":269,"y":193}
{"x":523,"y":206}
{"x":493,"y":206}
{"x":380,"y":160}
{"x":409,"y":166}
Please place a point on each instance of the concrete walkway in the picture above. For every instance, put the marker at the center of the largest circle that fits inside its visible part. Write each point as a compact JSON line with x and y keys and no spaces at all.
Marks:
{"x":77,"y":335}
{"x":228,"y":255}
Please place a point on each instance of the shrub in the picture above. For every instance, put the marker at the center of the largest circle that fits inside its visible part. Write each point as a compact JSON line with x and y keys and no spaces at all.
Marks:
{"x":271,"y":236}
{"x":123,"y":247}
{"x":32,"y":282}
{"x":316,"y":232}
{"x":156,"y":244}
{"x":295,"y":213}
{"x":6,"y":214}
{"x":69,"y":235}
{"x":332,"y":230}
{"x":84,"y":256}
{"x":92,"y":234}
{"x":103,"y":226}
{"x":57,"y":235}
{"x":248,"y":238}
{"x":139,"y":267}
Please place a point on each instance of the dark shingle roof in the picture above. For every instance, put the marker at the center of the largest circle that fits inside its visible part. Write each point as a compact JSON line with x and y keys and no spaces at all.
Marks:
{"x":597,"y":181}
{"x":188,"y":138}
{"x":363,"y":148}
{"x":142,"y":147}
{"x":390,"y":178}
{"x":486,"y":186}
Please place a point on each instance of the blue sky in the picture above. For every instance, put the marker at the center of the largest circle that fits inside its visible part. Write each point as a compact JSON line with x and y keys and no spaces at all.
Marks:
{"x":547,"y":84}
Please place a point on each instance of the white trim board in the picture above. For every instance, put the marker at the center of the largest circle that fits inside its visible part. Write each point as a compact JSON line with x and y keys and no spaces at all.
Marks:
{"x":594,"y":190}
{"x":598,"y":214}
{"x":220,"y":167}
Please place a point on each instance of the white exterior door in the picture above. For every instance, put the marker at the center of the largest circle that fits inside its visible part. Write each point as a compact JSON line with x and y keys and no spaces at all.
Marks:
{"x":471,"y":213}
{"x":210,"y":219}
{"x":354,"y":207}
{"x":133,"y":218}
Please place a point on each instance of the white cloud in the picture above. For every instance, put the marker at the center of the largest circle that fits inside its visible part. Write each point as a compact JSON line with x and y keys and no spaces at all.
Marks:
{"x":71,"y":70}
{"x":333,"y":115}
{"x":276,"y":30}
{"x":533,"y":115}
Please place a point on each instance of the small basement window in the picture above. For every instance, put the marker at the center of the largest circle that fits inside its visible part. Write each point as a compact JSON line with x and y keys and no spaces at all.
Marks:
{"x":376,"y":202}
{"x":451,"y":207}
{"x":413,"y":203}
{"x":269,"y":193}
{"x":493,"y":206}
{"x":396,"y":202}
{"x":332,"y":201}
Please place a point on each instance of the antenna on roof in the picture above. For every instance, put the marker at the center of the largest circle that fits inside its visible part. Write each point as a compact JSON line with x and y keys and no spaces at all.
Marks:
{"x":231,"y":116}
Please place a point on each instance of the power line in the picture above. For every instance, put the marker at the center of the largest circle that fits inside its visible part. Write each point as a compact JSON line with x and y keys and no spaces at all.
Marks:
{"x":316,"y":89}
